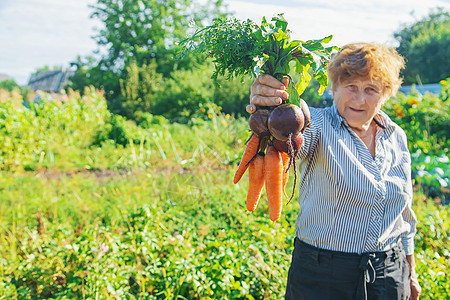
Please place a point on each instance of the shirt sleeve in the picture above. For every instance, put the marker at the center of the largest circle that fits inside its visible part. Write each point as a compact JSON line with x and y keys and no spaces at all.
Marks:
{"x":408,"y":214}
{"x":408,"y":238}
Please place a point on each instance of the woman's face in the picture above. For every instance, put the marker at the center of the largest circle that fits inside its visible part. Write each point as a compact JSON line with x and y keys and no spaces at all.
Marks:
{"x":358,"y":101}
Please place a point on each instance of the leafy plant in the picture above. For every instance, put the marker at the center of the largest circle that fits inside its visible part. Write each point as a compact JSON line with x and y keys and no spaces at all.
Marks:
{"x":139,"y":90}
{"x":424,"y":45}
{"x":432,"y":174}
{"x":424,"y":118}
{"x":149,"y":222}
{"x":240,"y":48}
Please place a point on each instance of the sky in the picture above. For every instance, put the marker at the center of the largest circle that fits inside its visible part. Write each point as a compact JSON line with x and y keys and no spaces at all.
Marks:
{"x":38,"y":33}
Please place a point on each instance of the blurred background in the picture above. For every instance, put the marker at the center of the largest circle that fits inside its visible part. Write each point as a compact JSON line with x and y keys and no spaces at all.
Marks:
{"x":116,"y":158}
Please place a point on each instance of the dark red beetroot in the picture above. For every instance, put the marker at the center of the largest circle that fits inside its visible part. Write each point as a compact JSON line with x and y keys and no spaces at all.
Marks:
{"x":286,"y":120}
{"x":258,"y":122}
{"x":306,"y":114}
{"x":284,"y":146}
{"x":286,"y":124}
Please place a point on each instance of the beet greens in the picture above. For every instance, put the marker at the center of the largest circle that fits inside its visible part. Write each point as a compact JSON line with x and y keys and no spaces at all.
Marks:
{"x":242,"y":47}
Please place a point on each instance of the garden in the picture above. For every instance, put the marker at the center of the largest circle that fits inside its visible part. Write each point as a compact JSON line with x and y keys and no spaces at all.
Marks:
{"x":96,"y":206}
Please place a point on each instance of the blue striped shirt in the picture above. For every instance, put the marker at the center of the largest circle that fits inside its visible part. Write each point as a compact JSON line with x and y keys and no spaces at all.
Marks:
{"x":350,"y":201}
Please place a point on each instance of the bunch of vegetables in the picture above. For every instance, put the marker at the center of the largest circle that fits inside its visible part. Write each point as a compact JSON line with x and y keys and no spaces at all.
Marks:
{"x":240,"y":48}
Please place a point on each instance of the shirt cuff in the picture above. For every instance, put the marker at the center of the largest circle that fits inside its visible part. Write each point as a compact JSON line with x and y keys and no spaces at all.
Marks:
{"x":408,"y":245}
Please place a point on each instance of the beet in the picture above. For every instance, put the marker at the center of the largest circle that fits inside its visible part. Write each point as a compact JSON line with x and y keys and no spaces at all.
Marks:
{"x":286,"y":120}
{"x":306,"y":114}
{"x":258,"y":122}
{"x":283,"y":146}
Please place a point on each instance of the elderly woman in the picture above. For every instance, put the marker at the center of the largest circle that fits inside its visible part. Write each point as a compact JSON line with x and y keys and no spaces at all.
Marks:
{"x":355,"y":228}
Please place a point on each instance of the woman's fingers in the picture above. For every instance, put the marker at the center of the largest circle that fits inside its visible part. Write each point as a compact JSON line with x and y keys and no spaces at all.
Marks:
{"x":268,"y":81}
{"x":265,"y":100}
{"x":271,"y":81}
{"x":267,"y":91}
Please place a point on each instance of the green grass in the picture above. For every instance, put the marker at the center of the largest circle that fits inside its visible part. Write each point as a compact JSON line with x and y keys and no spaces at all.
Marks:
{"x":199,"y":239}
{"x":161,"y":233}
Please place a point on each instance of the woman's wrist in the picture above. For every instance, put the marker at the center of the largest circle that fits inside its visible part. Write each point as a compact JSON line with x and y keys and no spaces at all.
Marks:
{"x":412,"y":264}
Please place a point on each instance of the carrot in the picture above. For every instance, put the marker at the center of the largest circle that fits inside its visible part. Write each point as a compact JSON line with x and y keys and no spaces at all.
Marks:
{"x":273,"y":177}
{"x":255,"y":181}
{"x":249,"y":153}
{"x":285,"y":157}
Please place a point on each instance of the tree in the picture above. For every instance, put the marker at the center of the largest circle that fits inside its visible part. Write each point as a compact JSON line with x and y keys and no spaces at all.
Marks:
{"x":425,"y":45}
{"x":140,"y":32}
{"x":140,"y":88}
{"x":8,"y":85}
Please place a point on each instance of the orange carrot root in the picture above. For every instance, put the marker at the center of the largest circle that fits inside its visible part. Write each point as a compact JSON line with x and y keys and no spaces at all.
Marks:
{"x":249,"y":153}
{"x":255,"y":181}
{"x":273,"y":177}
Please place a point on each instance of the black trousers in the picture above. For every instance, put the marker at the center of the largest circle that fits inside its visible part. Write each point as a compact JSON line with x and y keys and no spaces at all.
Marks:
{"x":322,"y":274}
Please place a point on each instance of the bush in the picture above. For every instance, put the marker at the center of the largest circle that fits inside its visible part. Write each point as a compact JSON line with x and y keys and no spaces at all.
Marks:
{"x":35,"y":134}
{"x":191,"y":93}
{"x":120,"y":130}
{"x":425,"y":119}
{"x":140,"y":89}
{"x":233,"y":95}
{"x":185,"y":93}
{"x":147,"y":120}
{"x":8,"y":85}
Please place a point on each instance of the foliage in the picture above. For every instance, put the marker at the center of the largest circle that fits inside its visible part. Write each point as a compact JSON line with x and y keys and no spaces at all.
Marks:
{"x":146,"y":30}
{"x":144,"y":251}
{"x":190,"y":94}
{"x":232,"y":95}
{"x":182,"y":96}
{"x":425,"y":45}
{"x":162,"y":233}
{"x":425,"y":119}
{"x":426,"y":122}
{"x":86,"y":73}
{"x":230,"y":42}
{"x":79,"y":132}
{"x":432,"y":174}
{"x":242,"y":48}
{"x":8,"y":85}
{"x":140,"y":89}
{"x":137,"y":32}
{"x":14,"y":97}
{"x":44,"y":129}
{"x":119,"y":130}
{"x":433,"y":260}
{"x":155,"y":218}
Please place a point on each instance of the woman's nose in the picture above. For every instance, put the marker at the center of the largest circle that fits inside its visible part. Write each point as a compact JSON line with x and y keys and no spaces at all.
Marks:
{"x":359,"y":96}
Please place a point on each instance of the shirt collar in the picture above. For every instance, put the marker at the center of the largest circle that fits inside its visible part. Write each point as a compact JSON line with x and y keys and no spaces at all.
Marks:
{"x":336,"y":119}
{"x":381,"y":118}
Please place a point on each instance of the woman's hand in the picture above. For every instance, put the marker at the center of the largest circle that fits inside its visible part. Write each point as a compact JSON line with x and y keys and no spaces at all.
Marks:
{"x":267,"y":91}
{"x":416,"y":290}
